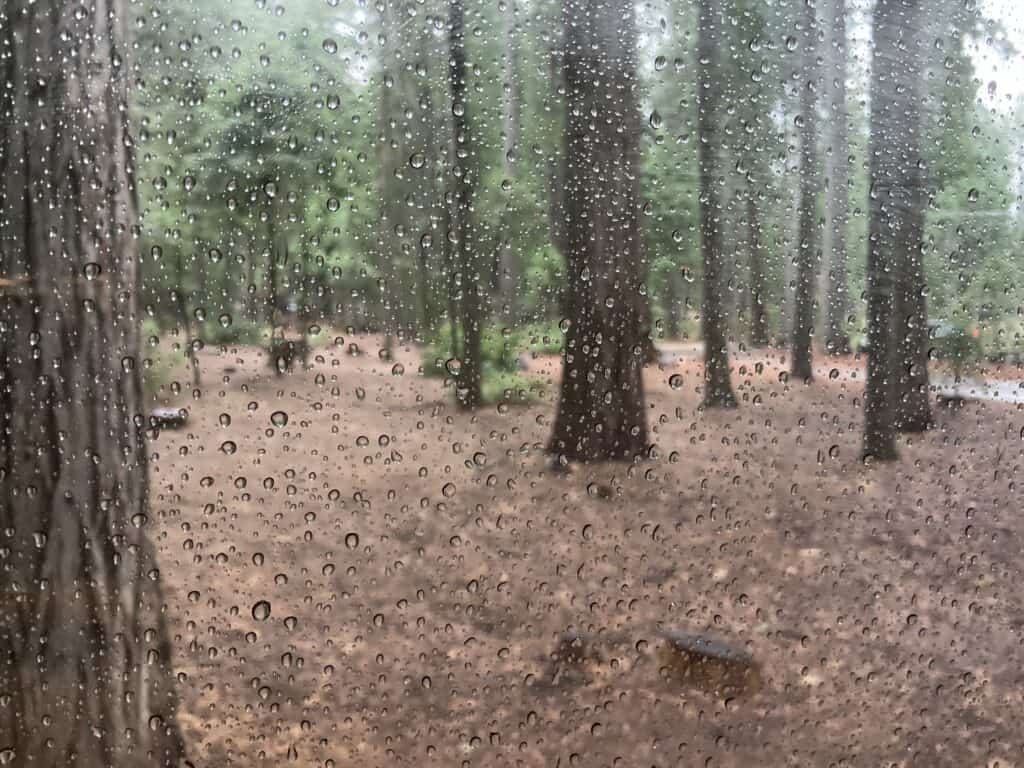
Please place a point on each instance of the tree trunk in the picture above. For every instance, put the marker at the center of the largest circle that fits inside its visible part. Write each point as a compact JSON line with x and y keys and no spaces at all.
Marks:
{"x":85,"y":663}
{"x":910,"y":310}
{"x":717,"y":386}
{"x":181,"y":304}
{"x":895,"y":182}
{"x":601,"y":409}
{"x":507,"y":268}
{"x":556,"y":164}
{"x":672,"y":299}
{"x":470,"y":375}
{"x":837,"y":342}
{"x":758,"y":317}
{"x":808,"y":248}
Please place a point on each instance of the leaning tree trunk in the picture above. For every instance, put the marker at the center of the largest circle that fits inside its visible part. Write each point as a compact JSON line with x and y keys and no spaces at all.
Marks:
{"x":601,"y":411}
{"x":837,"y":342}
{"x":895,"y":181}
{"x":717,"y":386}
{"x":808,"y":252}
{"x":85,"y":665}
{"x":469,"y":393}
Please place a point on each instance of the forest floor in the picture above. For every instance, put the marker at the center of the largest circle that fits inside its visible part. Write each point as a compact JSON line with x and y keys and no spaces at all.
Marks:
{"x":421,"y":564}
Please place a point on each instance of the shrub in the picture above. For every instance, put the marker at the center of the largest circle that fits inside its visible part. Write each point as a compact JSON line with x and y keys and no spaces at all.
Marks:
{"x":243,"y":332}
{"x":960,"y":349}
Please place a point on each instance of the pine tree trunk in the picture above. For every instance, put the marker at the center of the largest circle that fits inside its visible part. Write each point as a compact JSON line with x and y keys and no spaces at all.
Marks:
{"x":601,"y":410}
{"x":758,"y":317}
{"x":717,"y":386}
{"x":895,"y":181}
{"x":469,"y":393}
{"x":808,"y":246}
{"x":84,"y":651}
{"x":837,"y":342}
{"x":910,"y":310}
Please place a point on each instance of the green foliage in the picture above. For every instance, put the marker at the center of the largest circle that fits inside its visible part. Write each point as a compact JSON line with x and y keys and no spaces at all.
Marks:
{"x":239,"y":331}
{"x":960,"y":349}
{"x":503,"y":379}
{"x":162,"y":364}
{"x":542,"y":338}
{"x":499,"y":351}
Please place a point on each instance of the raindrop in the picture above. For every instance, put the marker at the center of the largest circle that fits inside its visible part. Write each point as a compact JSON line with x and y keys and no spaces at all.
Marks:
{"x":675,"y":381}
{"x":279,"y":418}
{"x":261,"y":610}
{"x":351,"y":540}
{"x":330,"y":46}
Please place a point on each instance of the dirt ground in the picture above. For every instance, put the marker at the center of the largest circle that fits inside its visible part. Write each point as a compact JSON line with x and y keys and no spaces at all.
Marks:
{"x":420,"y":565}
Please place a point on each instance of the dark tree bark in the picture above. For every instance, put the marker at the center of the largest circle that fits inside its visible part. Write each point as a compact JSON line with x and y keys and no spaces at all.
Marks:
{"x":837,"y":342}
{"x":717,"y":386}
{"x":556,"y":164}
{"x":84,"y":651}
{"x":470,"y":375}
{"x":808,"y":247}
{"x":758,"y":316}
{"x":910,"y":309}
{"x":601,"y":410}
{"x":896,"y":183}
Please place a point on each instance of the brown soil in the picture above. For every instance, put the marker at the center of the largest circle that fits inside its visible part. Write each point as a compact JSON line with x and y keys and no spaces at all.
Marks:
{"x":421,"y":565}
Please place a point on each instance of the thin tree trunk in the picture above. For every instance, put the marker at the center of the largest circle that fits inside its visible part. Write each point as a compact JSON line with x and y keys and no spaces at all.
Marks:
{"x":556,"y":164}
{"x":85,"y":666}
{"x":673,"y":311}
{"x":717,"y":386}
{"x":181,"y":304}
{"x":895,"y":179}
{"x":837,"y":342}
{"x":601,"y":409}
{"x":506,"y":269}
{"x":758,"y":317}
{"x":271,"y":276}
{"x":808,"y":247}
{"x":469,"y":392}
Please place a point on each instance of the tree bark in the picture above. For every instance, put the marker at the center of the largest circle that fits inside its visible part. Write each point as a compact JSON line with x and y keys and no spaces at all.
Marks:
{"x":717,"y":386}
{"x":895,"y":181}
{"x":837,"y":342}
{"x":601,"y":409}
{"x":758,"y":316}
{"x":910,"y":311}
{"x":84,"y":650}
{"x":469,"y":392}
{"x":808,"y":247}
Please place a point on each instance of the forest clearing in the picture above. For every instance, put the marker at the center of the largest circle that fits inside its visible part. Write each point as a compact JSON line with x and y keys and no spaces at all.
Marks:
{"x":421,"y":564}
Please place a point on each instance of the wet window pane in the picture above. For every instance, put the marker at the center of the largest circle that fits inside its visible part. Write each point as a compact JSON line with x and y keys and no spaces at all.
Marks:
{"x":510,"y":383}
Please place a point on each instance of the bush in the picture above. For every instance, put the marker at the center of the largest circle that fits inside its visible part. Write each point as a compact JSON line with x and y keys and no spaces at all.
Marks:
{"x":499,"y":350}
{"x":243,"y":332}
{"x":501,"y":377}
{"x":543,"y":338}
{"x":960,"y":349}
